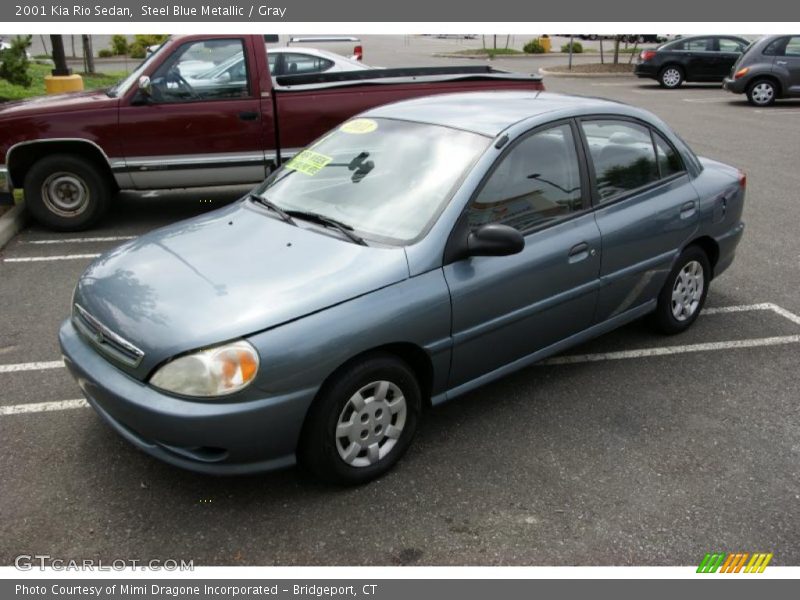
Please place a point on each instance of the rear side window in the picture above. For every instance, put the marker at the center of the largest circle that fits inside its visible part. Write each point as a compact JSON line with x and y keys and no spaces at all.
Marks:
{"x":622,"y":154}
{"x":775,"y":47}
{"x":793,"y":47}
{"x":669,"y":161}
{"x":537,"y":182}
{"x":296,"y":63}
{"x":695,"y":45}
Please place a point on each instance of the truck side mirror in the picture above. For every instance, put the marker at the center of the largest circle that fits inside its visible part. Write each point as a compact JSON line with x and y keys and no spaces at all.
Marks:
{"x":144,"y":86}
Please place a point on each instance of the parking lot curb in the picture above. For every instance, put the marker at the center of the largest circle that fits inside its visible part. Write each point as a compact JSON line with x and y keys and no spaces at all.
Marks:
{"x":11,"y":222}
{"x":549,"y":73}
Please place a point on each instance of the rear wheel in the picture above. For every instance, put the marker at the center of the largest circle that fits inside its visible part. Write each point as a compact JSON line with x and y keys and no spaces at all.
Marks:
{"x":684,"y":293}
{"x":66,"y":193}
{"x":362,"y":422}
{"x":670,"y":77}
{"x":762,"y":92}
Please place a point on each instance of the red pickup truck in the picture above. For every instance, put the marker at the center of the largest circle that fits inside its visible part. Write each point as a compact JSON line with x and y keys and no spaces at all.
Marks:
{"x":202,"y":110}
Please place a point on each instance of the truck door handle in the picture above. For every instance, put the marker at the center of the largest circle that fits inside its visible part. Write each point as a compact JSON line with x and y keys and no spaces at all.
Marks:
{"x":688,"y":209}
{"x":578,"y":253}
{"x":780,"y":62}
{"x":248,"y":115}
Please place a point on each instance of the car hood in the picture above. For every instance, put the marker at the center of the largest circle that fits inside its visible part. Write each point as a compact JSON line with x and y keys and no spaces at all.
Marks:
{"x":57,"y":103}
{"x":224,"y":275}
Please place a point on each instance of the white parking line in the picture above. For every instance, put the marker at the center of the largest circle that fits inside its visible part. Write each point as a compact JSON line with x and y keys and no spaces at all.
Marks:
{"x":669,"y":350}
{"x":114,"y":238}
{"x":778,"y":111}
{"x":705,"y":100}
{"x":19,"y":409}
{"x":556,"y":360}
{"x":49,"y":258}
{"x":32,"y":366}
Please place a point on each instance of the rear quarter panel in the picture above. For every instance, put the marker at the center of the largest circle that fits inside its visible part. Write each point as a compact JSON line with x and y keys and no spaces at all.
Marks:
{"x":305,"y":115}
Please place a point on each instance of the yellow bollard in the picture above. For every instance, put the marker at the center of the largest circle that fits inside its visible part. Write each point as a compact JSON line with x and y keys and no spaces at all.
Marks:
{"x":58,"y":84}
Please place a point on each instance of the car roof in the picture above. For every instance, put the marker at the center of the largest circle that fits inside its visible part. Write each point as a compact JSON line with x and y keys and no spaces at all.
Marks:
{"x":490,"y":113}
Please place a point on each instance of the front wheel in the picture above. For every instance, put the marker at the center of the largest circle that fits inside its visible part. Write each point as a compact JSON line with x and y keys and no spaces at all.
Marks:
{"x":762,"y":93}
{"x":66,"y":193}
{"x":362,"y":422}
{"x":684,"y":293}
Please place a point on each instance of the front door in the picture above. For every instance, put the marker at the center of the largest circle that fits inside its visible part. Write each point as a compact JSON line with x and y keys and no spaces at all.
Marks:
{"x":505,"y":308}
{"x":201,"y":123}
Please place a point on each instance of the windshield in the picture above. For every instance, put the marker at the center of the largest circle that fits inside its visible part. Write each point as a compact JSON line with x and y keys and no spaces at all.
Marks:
{"x":122,"y":86}
{"x":387,"y":179}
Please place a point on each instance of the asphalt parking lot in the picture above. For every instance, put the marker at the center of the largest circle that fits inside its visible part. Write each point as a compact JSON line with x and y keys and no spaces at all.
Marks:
{"x":640,"y":450}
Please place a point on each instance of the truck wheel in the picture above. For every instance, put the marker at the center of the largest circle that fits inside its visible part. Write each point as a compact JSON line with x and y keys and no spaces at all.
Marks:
{"x":762,"y":92}
{"x":670,"y":77}
{"x":66,"y":193}
{"x":362,"y":422}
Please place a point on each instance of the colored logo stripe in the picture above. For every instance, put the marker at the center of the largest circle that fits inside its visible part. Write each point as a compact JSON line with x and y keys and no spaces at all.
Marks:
{"x":734,"y":562}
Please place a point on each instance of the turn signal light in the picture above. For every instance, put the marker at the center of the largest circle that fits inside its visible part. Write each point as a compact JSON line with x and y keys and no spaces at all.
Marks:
{"x":741,"y":73}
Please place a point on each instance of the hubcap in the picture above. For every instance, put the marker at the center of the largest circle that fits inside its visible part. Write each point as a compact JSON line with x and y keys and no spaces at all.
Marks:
{"x":370,"y":423}
{"x":687,"y":291}
{"x":671,"y":77}
{"x":762,"y":93}
{"x":65,"y":194}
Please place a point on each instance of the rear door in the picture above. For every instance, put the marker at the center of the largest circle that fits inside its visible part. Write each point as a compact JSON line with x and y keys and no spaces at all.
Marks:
{"x":646,"y":209}
{"x":505,"y":308}
{"x":728,"y":52}
{"x":201,"y":124}
{"x":699,"y":57}
{"x":788,"y":65}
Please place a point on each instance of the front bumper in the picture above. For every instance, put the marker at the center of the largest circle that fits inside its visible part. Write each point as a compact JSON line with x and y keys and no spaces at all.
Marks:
{"x":737,"y":86}
{"x":209,"y":437}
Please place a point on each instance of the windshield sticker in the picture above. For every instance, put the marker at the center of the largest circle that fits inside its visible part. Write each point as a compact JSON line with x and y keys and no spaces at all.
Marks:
{"x":308,"y":162}
{"x":359,"y":126}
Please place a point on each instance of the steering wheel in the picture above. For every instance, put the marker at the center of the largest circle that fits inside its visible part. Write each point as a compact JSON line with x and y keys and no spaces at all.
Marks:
{"x":183,"y":85}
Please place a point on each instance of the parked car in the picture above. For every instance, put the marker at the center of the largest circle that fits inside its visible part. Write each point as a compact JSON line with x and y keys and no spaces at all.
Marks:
{"x":408,"y":256}
{"x":770,"y":69}
{"x":695,"y":58}
{"x":70,"y":153}
{"x":282,"y":61}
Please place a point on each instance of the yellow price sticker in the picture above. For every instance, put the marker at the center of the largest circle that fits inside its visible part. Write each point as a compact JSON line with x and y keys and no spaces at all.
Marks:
{"x":308,"y":162}
{"x":359,"y":126}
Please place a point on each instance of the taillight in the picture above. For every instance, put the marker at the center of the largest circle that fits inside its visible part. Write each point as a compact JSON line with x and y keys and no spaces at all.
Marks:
{"x":742,"y":179}
{"x":646,"y":55}
{"x":358,"y":53}
{"x":741,"y":73}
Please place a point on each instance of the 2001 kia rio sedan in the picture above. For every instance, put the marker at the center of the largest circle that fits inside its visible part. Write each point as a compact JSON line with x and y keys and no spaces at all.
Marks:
{"x":410,"y":255}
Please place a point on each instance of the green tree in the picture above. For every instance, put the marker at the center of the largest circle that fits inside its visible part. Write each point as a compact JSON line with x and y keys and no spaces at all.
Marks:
{"x":14,"y":65}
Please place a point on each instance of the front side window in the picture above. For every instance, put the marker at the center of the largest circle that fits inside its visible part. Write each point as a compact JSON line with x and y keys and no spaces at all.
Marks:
{"x":385,"y":178}
{"x":299,"y":64}
{"x":204,"y":70}
{"x":536,"y":182}
{"x":622,"y":154}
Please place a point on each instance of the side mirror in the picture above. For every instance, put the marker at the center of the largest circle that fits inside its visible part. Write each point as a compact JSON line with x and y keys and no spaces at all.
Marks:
{"x":495,"y":240}
{"x":144,"y":85}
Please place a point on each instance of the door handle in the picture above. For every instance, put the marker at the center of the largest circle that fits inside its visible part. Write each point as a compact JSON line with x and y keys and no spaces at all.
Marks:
{"x":688,"y":209}
{"x":578,"y":252}
{"x":248,"y":115}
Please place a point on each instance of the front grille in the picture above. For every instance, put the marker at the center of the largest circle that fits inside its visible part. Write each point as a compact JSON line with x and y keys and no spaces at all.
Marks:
{"x":105,"y":340}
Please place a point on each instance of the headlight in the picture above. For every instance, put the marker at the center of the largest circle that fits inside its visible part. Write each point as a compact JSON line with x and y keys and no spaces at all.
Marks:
{"x":216,"y":371}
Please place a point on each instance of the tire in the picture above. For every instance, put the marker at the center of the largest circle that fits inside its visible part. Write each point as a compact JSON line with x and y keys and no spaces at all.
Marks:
{"x":66,"y":193}
{"x":348,"y":458}
{"x":674,"y":315}
{"x":671,"y":77}
{"x":762,"y":92}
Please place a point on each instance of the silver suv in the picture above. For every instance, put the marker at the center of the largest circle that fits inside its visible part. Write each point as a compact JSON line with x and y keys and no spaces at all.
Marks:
{"x":767,"y":70}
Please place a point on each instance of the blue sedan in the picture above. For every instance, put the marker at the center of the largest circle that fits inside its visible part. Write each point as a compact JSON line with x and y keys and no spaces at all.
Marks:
{"x":412,"y":254}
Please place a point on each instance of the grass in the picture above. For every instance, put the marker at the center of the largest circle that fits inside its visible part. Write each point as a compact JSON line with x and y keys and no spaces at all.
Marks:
{"x":489,"y":51}
{"x":38,"y":73}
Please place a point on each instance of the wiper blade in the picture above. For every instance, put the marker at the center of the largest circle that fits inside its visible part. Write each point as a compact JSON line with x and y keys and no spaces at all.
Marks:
{"x":272,"y":206}
{"x":344,"y":228}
